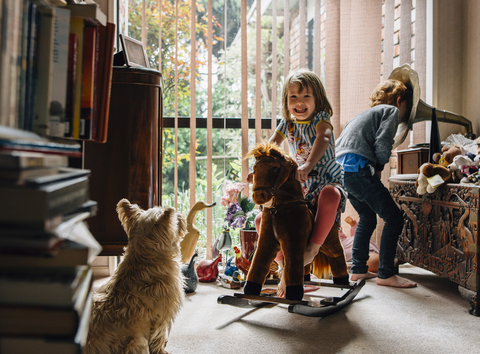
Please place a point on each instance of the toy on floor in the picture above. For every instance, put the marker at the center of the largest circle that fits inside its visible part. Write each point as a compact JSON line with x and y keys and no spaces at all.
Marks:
{"x":241,"y":262}
{"x":229,"y":268}
{"x":126,"y":318}
{"x":229,"y":282}
{"x":286,"y":224}
{"x":207,"y":270}
{"x":189,"y":242}
{"x":191,"y":277}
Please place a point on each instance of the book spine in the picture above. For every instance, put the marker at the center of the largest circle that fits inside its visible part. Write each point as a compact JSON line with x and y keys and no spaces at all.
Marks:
{"x":15,"y":63}
{"x":58,"y":97}
{"x":106,"y":64}
{"x":99,"y":50}
{"x":31,"y":73}
{"x":76,"y":27}
{"x":44,"y":75}
{"x":88,"y":76}
{"x":22,"y":77}
{"x":72,"y":65}
{"x":9,"y":62}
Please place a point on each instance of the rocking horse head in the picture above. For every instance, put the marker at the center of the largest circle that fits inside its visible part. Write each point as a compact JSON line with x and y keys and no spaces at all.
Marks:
{"x":273,"y":171}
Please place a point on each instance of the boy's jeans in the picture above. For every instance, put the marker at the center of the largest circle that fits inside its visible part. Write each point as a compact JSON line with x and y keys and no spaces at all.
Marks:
{"x":370,"y":198}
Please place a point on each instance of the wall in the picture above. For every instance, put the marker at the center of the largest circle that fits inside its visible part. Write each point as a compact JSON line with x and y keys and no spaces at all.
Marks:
{"x":471,"y":60}
{"x":457,"y":62}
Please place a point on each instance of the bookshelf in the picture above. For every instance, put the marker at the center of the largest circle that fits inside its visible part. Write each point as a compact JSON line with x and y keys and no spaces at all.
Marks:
{"x":51,"y":102}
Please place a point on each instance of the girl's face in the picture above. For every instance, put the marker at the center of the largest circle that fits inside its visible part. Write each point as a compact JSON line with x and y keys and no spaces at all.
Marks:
{"x":301,"y":104}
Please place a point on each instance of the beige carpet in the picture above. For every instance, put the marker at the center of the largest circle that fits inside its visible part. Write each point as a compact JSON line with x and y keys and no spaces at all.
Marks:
{"x":432,"y":318}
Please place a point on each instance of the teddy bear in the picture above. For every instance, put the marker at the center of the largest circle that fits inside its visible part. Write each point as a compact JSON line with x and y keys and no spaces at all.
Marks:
{"x":428,"y":170}
{"x":448,"y":154}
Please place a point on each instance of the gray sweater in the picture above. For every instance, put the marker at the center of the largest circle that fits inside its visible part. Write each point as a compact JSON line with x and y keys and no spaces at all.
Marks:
{"x":371,"y":135}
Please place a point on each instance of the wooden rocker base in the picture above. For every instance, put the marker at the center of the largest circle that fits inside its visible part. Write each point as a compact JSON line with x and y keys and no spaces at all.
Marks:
{"x":325,"y":307}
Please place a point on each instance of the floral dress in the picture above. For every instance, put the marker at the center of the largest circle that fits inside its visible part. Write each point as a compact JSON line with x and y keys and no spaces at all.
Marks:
{"x":300,"y":136}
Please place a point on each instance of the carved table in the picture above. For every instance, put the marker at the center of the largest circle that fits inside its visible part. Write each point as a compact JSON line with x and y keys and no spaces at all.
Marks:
{"x":440,"y":233}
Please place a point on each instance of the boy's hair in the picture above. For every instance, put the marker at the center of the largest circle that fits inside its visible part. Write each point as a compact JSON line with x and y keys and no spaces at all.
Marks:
{"x":306,"y":78}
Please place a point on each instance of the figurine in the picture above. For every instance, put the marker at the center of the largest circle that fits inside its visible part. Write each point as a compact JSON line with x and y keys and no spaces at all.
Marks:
{"x":191,"y":277}
{"x":241,"y":262}
{"x":230,"y":282}
{"x":189,"y":242}
{"x":207,"y":270}
{"x":229,"y":268}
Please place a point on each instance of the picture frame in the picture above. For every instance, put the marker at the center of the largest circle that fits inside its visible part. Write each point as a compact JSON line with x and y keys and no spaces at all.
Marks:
{"x":133,"y":51}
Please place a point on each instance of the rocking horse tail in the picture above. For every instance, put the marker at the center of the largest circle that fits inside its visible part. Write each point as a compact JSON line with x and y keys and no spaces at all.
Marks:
{"x":331,"y":259}
{"x":321,"y":266}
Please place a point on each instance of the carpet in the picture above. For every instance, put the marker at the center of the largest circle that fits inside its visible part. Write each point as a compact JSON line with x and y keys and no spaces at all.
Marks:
{"x":431,"y":318}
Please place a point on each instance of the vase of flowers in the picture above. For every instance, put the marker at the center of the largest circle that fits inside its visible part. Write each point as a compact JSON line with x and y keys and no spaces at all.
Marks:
{"x":241,"y":214}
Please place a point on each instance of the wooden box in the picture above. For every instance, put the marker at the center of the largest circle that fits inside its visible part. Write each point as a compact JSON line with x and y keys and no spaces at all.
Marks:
{"x":410,"y":160}
{"x":440,"y":233}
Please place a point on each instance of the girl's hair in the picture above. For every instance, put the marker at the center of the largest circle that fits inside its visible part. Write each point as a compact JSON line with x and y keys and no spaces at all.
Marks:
{"x":306,"y":78}
{"x":388,"y":93}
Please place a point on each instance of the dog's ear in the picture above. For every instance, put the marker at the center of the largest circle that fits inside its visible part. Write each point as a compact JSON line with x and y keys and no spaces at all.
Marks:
{"x":127,"y":214}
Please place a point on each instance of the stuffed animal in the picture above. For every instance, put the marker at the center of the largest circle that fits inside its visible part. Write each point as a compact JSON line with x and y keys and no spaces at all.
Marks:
{"x":464,"y":166}
{"x":286,"y":225}
{"x":448,"y":154}
{"x":428,"y":170}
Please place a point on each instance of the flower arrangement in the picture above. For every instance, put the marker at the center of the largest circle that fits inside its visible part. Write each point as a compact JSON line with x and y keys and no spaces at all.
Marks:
{"x":241,"y":210}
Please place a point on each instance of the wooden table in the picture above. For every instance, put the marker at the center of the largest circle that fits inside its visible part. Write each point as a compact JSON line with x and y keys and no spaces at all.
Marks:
{"x":440,"y":233}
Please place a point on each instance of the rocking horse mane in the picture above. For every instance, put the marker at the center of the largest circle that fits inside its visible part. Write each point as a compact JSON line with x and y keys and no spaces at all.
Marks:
{"x":265,"y":148}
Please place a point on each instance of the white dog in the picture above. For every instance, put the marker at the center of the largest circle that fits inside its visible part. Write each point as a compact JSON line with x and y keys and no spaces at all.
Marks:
{"x":134,"y":311}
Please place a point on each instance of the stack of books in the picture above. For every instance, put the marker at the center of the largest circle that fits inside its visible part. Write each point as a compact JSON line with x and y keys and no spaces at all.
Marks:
{"x":46,"y":251}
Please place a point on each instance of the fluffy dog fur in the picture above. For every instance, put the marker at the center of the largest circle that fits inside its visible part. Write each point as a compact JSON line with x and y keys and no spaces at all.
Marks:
{"x":134,"y":311}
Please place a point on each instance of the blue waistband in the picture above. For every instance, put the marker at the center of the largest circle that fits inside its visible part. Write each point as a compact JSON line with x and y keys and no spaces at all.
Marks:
{"x":352,"y":162}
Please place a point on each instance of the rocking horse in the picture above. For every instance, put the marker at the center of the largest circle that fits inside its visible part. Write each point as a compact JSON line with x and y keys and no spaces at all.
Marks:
{"x":286,"y":225}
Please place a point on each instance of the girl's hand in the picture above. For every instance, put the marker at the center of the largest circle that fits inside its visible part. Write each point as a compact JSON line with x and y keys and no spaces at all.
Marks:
{"x":303,"y":171}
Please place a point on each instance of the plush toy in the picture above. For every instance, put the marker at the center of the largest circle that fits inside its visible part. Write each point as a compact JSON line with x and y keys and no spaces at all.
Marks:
{"x":464,"y":166}
{"x":430,"y":170}
{"x":286,"y":225}
{"x":448,"y":154}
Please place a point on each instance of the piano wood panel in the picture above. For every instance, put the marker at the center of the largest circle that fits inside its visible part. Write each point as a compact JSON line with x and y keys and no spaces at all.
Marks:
{"x":128,"y":165}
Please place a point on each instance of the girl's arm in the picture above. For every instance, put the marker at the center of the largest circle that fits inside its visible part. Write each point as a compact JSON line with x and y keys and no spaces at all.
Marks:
{"x":322,"y":140}
{"x":276,"y":138}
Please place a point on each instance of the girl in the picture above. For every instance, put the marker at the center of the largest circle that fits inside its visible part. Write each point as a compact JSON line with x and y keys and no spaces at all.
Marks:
{"x":363,"y":160}
{"x":307,"y":128}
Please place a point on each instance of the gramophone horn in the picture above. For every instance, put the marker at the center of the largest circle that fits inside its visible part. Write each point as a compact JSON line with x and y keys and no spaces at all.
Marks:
{"x":420,"y":110}
{"x":424,"y":113}
{"x":409,"y":77}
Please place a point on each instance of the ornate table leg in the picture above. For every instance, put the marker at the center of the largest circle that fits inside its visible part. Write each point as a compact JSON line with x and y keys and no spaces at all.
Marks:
{"x":472,"y":297}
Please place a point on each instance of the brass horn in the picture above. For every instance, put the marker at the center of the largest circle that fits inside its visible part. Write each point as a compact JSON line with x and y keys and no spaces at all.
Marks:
{"x":424,"y":113}
{"x":421,"y":111}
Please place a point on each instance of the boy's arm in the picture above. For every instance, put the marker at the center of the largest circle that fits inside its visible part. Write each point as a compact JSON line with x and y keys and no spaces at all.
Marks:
{"x":322,"y":140}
